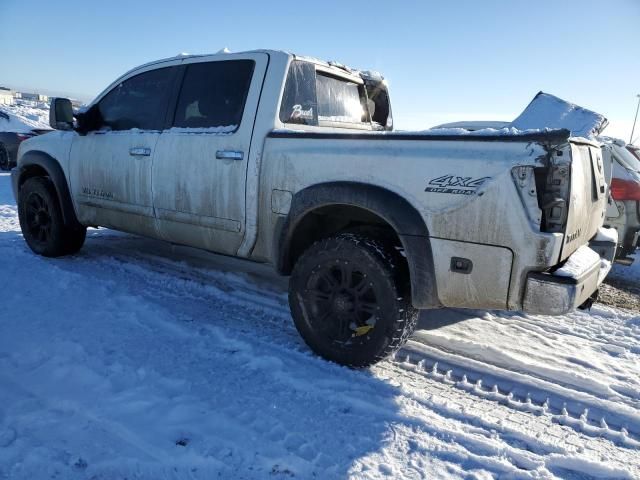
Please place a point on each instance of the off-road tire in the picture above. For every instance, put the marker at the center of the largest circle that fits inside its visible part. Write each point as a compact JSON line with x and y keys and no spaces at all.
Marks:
{"x":330,"y":308}
{"x":42,"y":223}
{"x":5,"y":161}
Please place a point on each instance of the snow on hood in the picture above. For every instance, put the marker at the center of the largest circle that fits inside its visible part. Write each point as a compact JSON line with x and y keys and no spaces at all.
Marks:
{"x":549,"y":111}
{"x":23,"y":118}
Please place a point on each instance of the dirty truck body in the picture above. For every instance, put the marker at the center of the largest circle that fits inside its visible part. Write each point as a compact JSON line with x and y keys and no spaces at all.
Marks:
{"x":304,"y":173}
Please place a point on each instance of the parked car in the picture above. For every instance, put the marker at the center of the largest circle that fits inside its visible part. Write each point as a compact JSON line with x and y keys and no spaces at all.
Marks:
{"x":10,"y":141}
{"x":623,"y":212}
{"x":282,"y":159}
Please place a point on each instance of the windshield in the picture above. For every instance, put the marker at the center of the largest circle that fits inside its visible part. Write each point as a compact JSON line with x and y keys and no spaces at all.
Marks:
{"x":627,"y":159}
{"x":339,"y":100}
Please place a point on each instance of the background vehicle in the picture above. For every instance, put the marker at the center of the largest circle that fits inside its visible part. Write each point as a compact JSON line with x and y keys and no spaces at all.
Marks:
{"x":622,"y":169}
{"x":634,"y":150}
{"x":623,"y":212}
{"x":12,"y":133}
{"x":291,"y":161}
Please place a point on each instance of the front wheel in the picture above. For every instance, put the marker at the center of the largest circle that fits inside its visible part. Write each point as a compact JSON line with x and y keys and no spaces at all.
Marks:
{"x":350,"y":301}
{"x":41,"y":220}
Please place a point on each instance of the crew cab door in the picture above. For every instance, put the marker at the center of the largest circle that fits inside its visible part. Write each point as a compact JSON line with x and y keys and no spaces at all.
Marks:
{"x":111,"y":165}
{"x":200,"y":165}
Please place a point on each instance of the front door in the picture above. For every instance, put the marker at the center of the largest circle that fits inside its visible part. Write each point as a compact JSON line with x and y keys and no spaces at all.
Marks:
{"x":111,"y":166}
{"x":200,"y":164}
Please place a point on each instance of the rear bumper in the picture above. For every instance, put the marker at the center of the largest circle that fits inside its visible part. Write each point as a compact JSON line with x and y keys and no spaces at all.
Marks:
{"x":571,"y":285}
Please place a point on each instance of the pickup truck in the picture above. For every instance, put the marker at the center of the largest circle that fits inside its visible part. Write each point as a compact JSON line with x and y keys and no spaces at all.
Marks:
{"x":292,"y":161}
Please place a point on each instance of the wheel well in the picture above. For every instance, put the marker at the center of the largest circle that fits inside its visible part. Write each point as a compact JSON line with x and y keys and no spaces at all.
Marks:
{"x":326,"y":209}
{"x":31,"y":171}
{"x":323,"y":222}
{"x":41,"y":164}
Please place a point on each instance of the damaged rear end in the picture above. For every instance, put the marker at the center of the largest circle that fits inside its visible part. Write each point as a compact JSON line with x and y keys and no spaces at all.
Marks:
{"x":572,"y":195}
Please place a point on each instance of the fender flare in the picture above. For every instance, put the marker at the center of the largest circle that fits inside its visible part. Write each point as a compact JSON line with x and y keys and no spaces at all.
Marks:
{"x":405,"y":220}
{"x":41,"y":160}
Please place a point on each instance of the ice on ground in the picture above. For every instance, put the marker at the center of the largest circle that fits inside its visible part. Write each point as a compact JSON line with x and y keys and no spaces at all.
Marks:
{"x":139,"y":359}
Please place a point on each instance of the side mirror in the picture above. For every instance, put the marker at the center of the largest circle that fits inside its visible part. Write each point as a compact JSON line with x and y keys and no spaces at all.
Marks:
{"x":61,"y":114}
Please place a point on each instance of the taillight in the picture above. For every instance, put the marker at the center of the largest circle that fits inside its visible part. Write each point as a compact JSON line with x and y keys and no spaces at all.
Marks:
{"x":625,"y":189}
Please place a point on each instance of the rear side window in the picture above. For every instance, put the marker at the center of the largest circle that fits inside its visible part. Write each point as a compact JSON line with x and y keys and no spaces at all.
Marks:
{"x":314,"y":98}
{"x":139,"y":102}
{"x":213,"y":94}
{"x":299,"y":103}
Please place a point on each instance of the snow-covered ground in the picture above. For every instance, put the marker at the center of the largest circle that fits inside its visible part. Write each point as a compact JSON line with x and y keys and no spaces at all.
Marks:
{"x":136,"y":359}
{"x":24,"y":116}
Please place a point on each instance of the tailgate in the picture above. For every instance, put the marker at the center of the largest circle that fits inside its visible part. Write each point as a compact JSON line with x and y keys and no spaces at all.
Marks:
{"x":587,"y":203}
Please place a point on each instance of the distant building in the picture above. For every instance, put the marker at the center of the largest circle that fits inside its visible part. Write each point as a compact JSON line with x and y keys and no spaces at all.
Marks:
{"x":35,"y":97}
{"x":6,"y":96}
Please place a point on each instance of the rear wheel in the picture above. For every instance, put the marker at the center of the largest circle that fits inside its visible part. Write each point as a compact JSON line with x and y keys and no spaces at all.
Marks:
{"x":41,"y":220}
{"x":5,"y":162}
{"x":350,"y":300}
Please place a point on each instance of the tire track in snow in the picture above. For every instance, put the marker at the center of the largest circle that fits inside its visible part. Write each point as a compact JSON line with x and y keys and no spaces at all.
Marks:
{"x":584,"y":413}
{"x":541,"y":441}
{"x":579,"y":410}
{"x":244,"y":294}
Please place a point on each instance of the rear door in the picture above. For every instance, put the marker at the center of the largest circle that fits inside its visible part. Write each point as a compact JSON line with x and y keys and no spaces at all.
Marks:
{"x":200,"y":166}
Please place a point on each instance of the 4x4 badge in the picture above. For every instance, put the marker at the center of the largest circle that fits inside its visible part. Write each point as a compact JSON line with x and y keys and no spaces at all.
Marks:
{"x":455,"y":185}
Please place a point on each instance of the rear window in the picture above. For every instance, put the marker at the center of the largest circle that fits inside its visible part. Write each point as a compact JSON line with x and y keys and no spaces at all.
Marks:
{"x":316,"y":98}
{"x":340,"y":100}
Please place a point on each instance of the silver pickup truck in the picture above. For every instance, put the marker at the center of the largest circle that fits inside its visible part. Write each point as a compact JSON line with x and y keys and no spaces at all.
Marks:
{"x":289,"y":160}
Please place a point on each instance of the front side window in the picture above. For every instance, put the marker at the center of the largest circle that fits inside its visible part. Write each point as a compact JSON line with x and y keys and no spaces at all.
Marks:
{"x":139,"y":102}
{"x":213,"y":94}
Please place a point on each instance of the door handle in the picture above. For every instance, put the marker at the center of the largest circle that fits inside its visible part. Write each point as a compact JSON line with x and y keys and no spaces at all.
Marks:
{"x":229,"y":155}
{"x":140,"y":151}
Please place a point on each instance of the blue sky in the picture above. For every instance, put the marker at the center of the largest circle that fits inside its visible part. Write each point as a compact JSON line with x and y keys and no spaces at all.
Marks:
{"x":445,"y":60}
